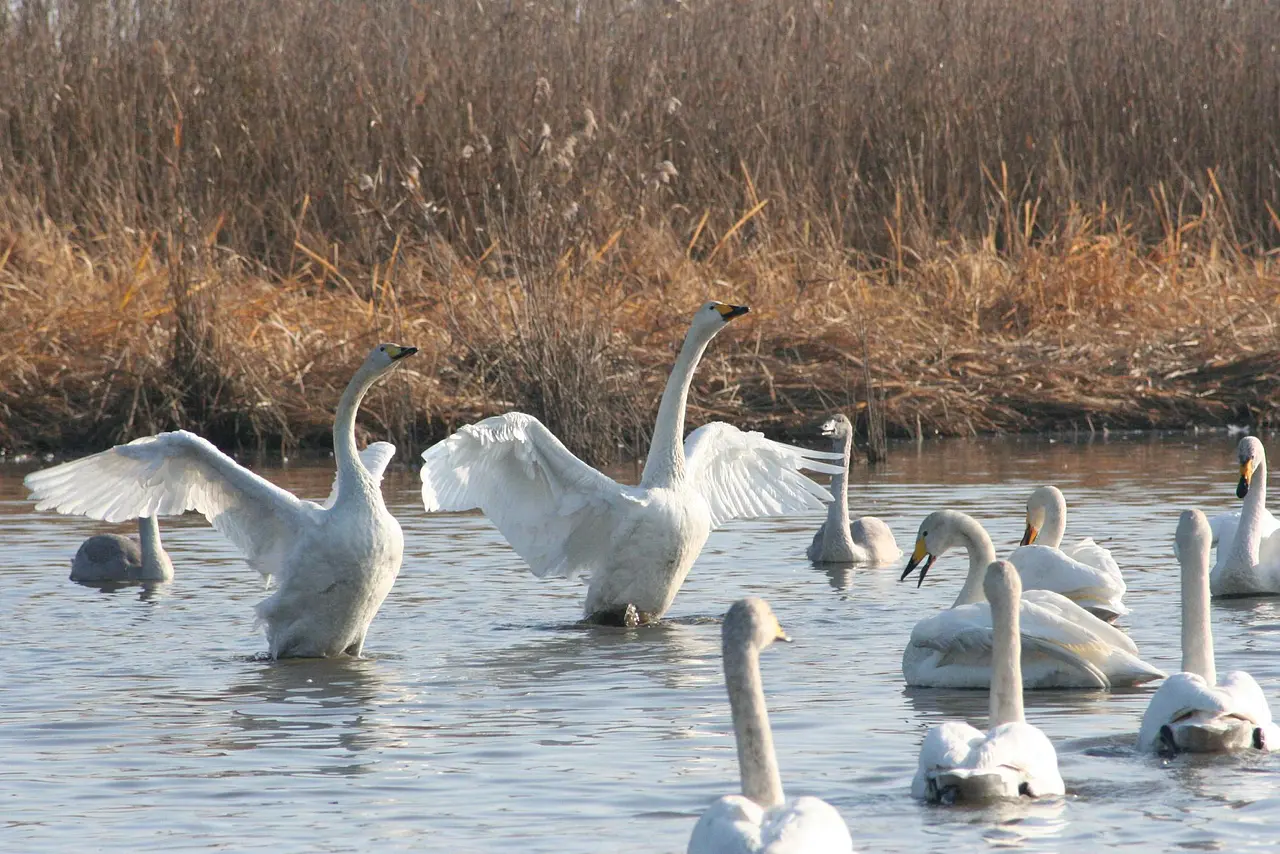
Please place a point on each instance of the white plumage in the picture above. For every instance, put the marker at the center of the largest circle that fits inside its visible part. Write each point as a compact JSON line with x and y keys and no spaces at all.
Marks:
{"x":332,"y":565}
{"x":865,"y":540}
{"x":1249,"y":541}
{"x":635,"y":544}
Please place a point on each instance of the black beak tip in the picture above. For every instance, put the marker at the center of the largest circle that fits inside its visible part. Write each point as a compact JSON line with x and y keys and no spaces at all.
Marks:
{"x":1242,"y":488}
{"x":407,"y":351}
{"x":737,"y":311}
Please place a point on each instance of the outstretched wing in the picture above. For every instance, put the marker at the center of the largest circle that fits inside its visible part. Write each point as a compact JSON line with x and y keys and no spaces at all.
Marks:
{"x":744,"y":475}
{"x":375,"y":458}
{"x":169,"y":474}
{"x":556,"y":511}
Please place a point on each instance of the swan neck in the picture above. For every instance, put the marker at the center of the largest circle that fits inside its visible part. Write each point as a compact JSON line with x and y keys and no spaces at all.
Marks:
{"x":350,"y":470}
{"x":837,"y":528}
{"x":1055,"y":524}
{"x":1197,"y":636}
{"x":665,"y":465}
{"x":1006,"y":663}
{"x":149,"y":544}
{"x":981,"y":553}
{"x":757,"y":762}
{"x":1244,"y":551}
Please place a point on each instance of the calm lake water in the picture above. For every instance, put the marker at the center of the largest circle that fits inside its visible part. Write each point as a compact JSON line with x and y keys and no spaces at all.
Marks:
{"x":483,"y":720}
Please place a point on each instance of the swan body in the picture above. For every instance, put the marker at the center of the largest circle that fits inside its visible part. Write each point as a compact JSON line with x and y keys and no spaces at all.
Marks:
{"x":1085,"y":573}
{"x":864,"y":540}
{"x":1063,"y":645}
{"x":761,"y":820}
{"x":1192,"y":711}
{"x":112,"y":557}
{"x":1013,"y":758}
{"x":634,"y":544}
{"x":1248,"y":550}
{"x":332,"y":565}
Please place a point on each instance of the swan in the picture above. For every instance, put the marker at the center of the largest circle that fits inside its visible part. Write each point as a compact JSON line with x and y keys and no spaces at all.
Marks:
{"x":112,"y":557}
{"x":760,"y":820}
{"x":1085,"y":573}
{"x":332,"y":565}
{"x":1191,"y":711}
{"x":1248,"y":544}
{"x":636,"y":543}
{"x":1013,"y":758}
{"x":867,"y":539}
{"x":1063,"y":645}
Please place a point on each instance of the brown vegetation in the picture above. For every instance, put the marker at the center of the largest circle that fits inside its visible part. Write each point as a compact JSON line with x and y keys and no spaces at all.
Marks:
{"x":1020,"y":218}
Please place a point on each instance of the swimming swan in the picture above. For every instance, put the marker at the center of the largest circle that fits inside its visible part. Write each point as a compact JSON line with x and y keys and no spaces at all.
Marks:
{"x":760,"y":820}
{"x":1063,"y":645}
{"x":636,"y":543}
{"x":112,"y":557}
{"x":1248,"y":544}
{"x":1191,"y":711}
{"x":332,"y":565}
{"x":867,"y":540}
{"x":1013,"y":758}
{"x":1085,"y":573}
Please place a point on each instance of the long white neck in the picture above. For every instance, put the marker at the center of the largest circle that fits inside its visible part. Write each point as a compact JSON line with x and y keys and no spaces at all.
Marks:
{"x":664,"y":467}
{"x":1055,"y":522}
{"x":1197,"y":636}
{"x":981,"y":553}
{"x":757,"y":763}
{"x":1244,"y":551}
{"x":836,"y":533}
{"x":1006,"y":662}
{"x":351,"y":472}
{"x":149,"y":541}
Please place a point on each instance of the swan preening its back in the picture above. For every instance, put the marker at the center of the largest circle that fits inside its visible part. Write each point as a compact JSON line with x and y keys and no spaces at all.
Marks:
{"x":760,"y":820}
{"x":1013,"y":758}
{"x":865,"y":540}
{"x":1192,"y":711}
{"x":1248,"y":541}
{"x":112,"y":557}
{"x":1063,"y":645}
{"x":332,"y":564}
{"x":635,"y":544}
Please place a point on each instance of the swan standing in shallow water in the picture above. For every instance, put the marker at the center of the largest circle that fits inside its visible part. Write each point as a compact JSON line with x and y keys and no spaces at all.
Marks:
{"x":1063,"y":645}
{"x":635,"y":543}
{"x":1248,"y":543}
{"x":868,"y":539}
{"x":1085,"y":573}
{"x":1013,"y":758}
{"x":332,"y":564}
{"x":1191,"y":711}
{"x":761,"y":820}
{"x":112,"y":557}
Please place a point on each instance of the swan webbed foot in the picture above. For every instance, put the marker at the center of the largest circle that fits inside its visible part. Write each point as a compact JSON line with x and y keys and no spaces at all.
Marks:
{"x":622,"y":616}
{"x":1259,"y":739}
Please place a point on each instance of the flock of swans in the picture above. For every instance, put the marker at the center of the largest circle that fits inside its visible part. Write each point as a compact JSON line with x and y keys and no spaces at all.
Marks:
{"x":1040,"y":619}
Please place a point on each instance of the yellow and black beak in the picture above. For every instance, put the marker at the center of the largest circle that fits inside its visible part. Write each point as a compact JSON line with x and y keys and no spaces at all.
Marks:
{"x":396,"y":352}
{"x":1029,"y":535}
{"x":916,"y":556}
{"x":729,"y":312}
{"x":1246,"y":477}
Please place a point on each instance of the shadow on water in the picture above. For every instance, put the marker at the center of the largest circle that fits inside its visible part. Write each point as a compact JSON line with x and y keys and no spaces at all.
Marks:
{"x":148,"y":591}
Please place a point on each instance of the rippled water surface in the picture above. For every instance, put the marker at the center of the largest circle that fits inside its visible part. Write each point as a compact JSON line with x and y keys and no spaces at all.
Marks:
{"x":483,"y":719}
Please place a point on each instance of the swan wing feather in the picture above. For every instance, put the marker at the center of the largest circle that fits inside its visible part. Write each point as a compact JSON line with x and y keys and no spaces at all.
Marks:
{"x":805,"y":825}
{"x":731,"y":825}
{"x":1047,"y":568}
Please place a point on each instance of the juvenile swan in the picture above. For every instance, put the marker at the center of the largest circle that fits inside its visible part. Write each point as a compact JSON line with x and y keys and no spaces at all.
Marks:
{"x":760,"y":820}
{"x":636,"y":543}
{"x":332,"y":565}
{"x":867,"y":540}
{"x":112,"y":557}
{"x":1248,"y":551}
{"x":1063,"y":645}
{"x":1191,"y":711}
{"x":1013,"y":758}
{"x":1085,"y":573}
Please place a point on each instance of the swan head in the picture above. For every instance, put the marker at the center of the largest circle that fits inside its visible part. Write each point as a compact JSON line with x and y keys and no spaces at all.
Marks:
{"x":1041,"y":501}
{"x":713,"y":316}
{"x":1192,"y":539}
{"x":1251,"y":456}
{"x":1002,"y":584}
{"x":938,"y":532}
{"x":384,"y":357}
{"x":837,"y":427}
{"x":751,"y":622}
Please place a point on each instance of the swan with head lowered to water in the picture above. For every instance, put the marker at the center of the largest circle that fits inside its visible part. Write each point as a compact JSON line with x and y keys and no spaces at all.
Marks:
{"x":1063,"y":645}
{"x":332,"y":564}
{"x":635,"y":544}
{"x":864,"y":540}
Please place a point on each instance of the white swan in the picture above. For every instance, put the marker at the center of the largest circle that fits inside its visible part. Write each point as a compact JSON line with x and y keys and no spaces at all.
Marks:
{"x":1192,"y":711}
{"x":1013,"y":758}
{"x":868,"y":539}
{"x":112,"y":557}
{"x":761,"y":820}
{"x":332,"y":565}
{"x":1085,"y":573}
{"x":636,"y":543}
{"x":1248,"y":550}
{"x":1063,"y":645}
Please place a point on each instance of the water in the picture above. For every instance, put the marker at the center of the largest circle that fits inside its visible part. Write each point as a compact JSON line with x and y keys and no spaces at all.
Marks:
{"x":484,"y":720}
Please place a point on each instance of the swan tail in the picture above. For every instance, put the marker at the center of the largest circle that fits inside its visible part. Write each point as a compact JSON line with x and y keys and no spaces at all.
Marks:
{"x":1200,"y":734}
{"x":966,"y":785}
